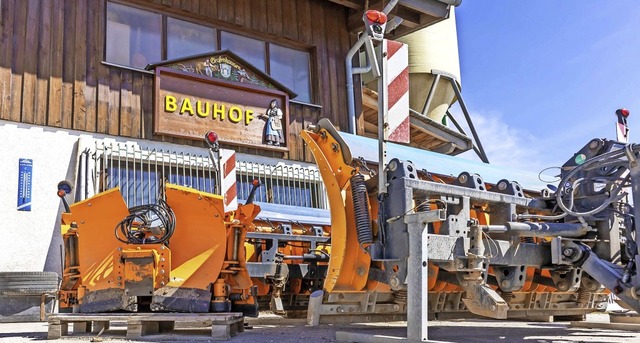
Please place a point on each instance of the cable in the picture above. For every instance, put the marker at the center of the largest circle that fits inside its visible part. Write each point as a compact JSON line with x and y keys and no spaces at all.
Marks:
{"x":600,"y":161}
{"x":557,"y":178}
{"x":142,"y":219}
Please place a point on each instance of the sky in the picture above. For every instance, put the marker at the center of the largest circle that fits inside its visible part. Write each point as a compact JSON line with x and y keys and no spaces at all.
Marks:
{"x":541,"y":78}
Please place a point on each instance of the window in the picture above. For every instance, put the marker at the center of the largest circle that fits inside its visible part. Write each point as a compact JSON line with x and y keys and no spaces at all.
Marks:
{"x":251,"y":50}
{"x":187,"y":39}
{"x":291,"y":68}
{"x":133,"y":36}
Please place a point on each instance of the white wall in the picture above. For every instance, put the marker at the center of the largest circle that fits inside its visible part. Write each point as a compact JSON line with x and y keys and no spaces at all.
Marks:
{"x":27,"y":235}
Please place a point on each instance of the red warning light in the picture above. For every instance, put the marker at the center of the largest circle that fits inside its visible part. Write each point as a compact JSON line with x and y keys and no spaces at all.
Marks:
{"x":211,"y":137}
{"x":623,"y":112}
{"x":255,"y":182}
{"x":376,"y":16}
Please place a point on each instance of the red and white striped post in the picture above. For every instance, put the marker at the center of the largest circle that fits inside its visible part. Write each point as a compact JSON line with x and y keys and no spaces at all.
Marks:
{"x":395,"y":64}
{"x":224,"y":161}
{"x":227,"y":177}
{"x":393,"y":102}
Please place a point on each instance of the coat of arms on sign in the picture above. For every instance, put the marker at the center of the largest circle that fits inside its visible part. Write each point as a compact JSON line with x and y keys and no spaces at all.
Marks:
{"x":225,"y":70}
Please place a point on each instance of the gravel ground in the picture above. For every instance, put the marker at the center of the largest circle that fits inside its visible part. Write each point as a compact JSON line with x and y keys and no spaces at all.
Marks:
{"x":274,"y":329}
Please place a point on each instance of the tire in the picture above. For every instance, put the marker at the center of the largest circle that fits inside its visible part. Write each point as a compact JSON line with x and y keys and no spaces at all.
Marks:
{"x":23,"y":283}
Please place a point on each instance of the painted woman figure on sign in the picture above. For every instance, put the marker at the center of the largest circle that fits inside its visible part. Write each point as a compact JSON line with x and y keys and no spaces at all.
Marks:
{"x":273,"y":131}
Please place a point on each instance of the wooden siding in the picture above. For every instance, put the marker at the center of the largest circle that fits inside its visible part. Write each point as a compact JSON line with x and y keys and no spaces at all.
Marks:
{"x":52,"y":71}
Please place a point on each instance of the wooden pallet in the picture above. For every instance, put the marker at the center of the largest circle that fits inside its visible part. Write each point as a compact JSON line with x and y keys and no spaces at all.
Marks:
{"x":223,"y":325}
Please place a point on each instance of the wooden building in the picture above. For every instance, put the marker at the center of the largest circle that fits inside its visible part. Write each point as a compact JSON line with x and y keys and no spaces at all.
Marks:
{"x":80,"y":64}
{"x":75,"y":69}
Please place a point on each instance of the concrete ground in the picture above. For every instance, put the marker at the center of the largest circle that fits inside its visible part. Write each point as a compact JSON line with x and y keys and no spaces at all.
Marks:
{"x":275,"y":329}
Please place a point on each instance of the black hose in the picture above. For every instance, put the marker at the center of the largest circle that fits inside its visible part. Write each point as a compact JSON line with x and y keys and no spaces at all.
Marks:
{"x":361,"y":210}
{"x":143,"y":217}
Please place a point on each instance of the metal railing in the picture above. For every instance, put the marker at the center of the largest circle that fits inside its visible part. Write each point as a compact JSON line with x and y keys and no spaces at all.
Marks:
{"x":282,"y":184}
{"x":140,"y":172}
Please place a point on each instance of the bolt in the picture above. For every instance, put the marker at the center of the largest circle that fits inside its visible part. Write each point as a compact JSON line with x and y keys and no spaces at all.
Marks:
{"x":392,"y":166}
{"x":505,"y":284}
{"x":360,"y":271}
{"x":334,"y":147}
{"x":460,"y":265}
{"x":502,"y":185}
{"x":568,"y":252}
{"x":394,"y":282}
{"x":562,"y":285}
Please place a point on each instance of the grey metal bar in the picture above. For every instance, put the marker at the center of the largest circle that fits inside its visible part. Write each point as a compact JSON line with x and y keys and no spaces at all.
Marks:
{"x":445,"y":189}
{"x":463,"y":106}
{"x":432,"y":91}
{"x":283,"y":237}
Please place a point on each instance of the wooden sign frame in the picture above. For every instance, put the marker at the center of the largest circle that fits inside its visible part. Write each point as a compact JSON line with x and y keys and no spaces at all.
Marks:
{"x":237,"y":112}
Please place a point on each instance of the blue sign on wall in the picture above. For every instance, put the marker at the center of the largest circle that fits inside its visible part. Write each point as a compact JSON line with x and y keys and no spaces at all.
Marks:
{"x":25,"y":172}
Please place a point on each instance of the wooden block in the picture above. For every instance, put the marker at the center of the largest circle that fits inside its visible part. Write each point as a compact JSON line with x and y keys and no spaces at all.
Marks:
{"x":137,"y":329}
{"x":220,"y":332}
{"x":233,"y":329}
{"x":134,"y":329}
{"x":43,"y":297}
{"x":150,"y":327}
{"x":99,"y":325}
{"x":57,"y":330}
{"x":81,"y":327}
{"x":165,"y":326}
{"x":241,"y":325}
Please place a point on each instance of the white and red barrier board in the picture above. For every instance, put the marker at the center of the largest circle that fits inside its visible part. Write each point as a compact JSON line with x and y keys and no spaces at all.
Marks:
{"x":396,"y":65}
{"x":228,"y":179}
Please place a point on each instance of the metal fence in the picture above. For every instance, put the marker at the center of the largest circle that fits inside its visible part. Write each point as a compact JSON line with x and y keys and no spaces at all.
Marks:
{"x":282,"y":184}
{"x":140,"y":172}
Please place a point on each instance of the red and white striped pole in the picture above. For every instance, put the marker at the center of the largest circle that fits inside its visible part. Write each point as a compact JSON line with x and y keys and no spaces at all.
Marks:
{"x":224,"y":161}
{"x":395,"y":64}
{"x":393,"y":102}
{"x":228,"y":187}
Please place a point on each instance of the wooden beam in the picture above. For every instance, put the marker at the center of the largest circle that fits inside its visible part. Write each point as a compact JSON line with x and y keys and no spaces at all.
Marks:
{"x":432,"y":7}
{"x":346,"y":3}
{"x":411,"y":20}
